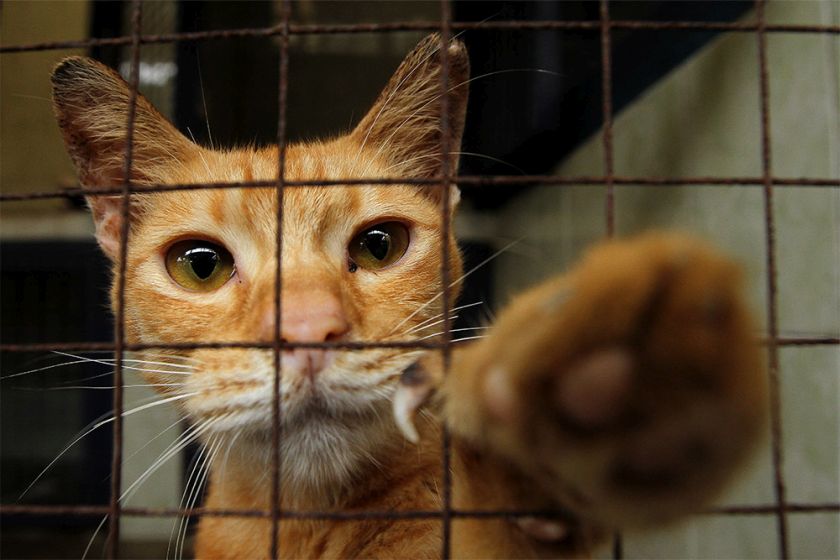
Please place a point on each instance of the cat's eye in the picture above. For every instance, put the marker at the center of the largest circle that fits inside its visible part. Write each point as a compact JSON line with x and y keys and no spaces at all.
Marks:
{"x":379,"y":246}
{"x":199,"y":265}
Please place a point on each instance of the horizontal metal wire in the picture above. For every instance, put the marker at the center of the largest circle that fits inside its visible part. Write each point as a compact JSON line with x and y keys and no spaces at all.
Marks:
{"x":786,"y":507}
{"x":464,"y":181}
{"x":94,"y":511}
{"x":90,"y":346}
{"x":338,"y":345}
{"x":310,"y":29}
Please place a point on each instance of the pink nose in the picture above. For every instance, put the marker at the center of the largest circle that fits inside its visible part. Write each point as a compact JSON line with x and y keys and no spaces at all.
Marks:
{"x":312,"y":316}
{"x":309,"y":316}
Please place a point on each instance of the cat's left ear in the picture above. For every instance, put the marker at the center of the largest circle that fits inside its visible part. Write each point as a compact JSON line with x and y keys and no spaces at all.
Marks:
{"x":404,"y":124}
{"x":91,"y":103}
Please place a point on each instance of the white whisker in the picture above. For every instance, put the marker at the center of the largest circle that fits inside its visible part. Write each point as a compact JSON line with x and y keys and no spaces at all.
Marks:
{"x":93,"y":537}
{"x":63,"y":364}
{"x":466,"y":338}
{"x":423,"y":324}
{"x":223,"y":469}
{"x":145,"y":445}
{"x":200,"y":154}
{"x":108,"y":387}
{"x":176,"y":525}
{"x":148,"y":362}
{"x":182,"y":441}
{"x":197,"y":488}
{"x":83,"y":379}
{"x":191,"y":491}
{"x":412,"y":116}
{"x":471,"y":154}
{"x":424,"y":327}
{"x":147,"y":354}
{"x":394,"y":92}
{"x":452,"y":331}
{"x":111,"y":363}
{"x":455,"y":283}
{"x":204,"y":100}
{"x":99,"y":425}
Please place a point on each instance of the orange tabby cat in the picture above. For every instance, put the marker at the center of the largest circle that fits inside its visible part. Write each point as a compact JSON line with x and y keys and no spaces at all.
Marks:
{"x":623,"y":393}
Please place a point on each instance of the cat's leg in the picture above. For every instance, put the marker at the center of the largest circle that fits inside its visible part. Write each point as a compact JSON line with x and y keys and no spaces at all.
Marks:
{"x":626,"y":391}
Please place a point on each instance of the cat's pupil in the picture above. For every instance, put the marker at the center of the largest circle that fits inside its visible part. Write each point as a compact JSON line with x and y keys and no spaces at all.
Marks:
{"x":203,"y":261}
{"x":378,"y":242}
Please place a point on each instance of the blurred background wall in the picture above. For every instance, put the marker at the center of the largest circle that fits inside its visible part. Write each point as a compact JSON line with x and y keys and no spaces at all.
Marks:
{"x":703,"y":119}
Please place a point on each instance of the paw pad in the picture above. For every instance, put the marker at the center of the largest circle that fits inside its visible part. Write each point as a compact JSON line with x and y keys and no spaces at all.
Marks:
{"x":498,"y":394}
{"x":592,"y":392}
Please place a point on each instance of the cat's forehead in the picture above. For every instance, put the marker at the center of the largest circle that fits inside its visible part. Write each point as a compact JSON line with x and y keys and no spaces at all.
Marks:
{"x":308,"y":211}
{"x":317,"y":161}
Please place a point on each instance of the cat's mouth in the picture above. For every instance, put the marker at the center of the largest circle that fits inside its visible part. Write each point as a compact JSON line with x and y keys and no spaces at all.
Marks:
{"x":244,"y":401}
{"x":307,"y":363}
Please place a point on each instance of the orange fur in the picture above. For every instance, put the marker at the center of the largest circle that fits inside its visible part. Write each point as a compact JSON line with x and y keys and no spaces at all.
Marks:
{"x":638,"y":444}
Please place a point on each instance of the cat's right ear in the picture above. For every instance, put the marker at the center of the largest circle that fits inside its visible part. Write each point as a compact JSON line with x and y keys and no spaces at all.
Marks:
{"x":91,"y":104}
{"x":404,"y":124}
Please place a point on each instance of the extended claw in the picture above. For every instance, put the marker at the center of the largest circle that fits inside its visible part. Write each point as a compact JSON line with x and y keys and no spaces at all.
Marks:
{"x":545,"y":530}
{"x":414,"y":388}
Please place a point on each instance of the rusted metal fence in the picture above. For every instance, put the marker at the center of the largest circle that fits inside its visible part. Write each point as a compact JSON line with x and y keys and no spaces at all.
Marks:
{"x":758,"y":26}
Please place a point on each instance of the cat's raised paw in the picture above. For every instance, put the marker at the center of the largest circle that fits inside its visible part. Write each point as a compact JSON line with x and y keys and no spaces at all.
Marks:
{"x":630,"y":386}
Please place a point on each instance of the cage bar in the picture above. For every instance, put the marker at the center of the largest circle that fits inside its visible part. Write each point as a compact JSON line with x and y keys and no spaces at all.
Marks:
{"x":446,"y":188}
{"x":277,"y":343}
{"x":299,"y":29}
{"x":113,"y":542}
{"x":772,"y":287}
{"x":476,"y":181}
{"x":96,"y":511}
{"x":407,"y":344}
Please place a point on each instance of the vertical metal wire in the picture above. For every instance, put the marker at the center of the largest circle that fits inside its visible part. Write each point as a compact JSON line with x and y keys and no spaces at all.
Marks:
{"x":446,"y":188}
{"x":276,"y":412}
{"x":609,"y":177}
{"x":772,"y":287}
{"x":618,"y":547}
{"x":113,"y":542}
{"x":607,"y":114}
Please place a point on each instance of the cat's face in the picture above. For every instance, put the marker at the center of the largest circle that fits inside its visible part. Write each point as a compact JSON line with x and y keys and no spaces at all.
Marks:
{"x":359,"y":263}
{"x":327,"y":294}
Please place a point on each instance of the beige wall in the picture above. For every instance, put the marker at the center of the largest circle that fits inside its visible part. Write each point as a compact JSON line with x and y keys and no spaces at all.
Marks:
{"x":704,"y":119}
{"x":32,"y":155}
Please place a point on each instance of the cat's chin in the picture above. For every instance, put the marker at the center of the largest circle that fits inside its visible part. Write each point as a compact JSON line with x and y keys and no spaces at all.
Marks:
{"x":246,"y":406}
{"x":333,"y":427}
{"x":252,"y":411}
{"x":258,"y":421}
{"x":321,"y":453}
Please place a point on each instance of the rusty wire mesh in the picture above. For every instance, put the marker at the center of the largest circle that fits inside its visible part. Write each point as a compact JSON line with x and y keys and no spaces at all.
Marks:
{"x":604,"y":26}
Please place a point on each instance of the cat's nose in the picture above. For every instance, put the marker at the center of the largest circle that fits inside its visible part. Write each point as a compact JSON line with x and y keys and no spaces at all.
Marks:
{"x":307,"y":316}
{"x":312,"y":317}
